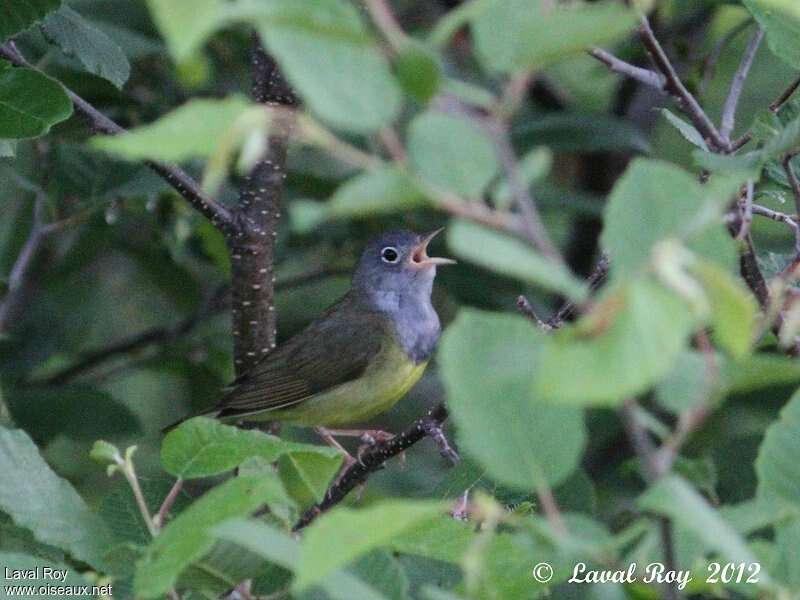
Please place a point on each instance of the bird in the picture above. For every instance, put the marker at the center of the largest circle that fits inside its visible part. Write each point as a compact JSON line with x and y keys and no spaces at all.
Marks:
{"x":358,"y":358}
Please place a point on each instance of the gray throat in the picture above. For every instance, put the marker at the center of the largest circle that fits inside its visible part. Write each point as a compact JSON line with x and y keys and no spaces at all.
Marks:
{"x":415,"y":320}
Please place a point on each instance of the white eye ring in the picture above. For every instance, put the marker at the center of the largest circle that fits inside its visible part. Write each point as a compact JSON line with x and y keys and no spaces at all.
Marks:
{"x":390,"y":255}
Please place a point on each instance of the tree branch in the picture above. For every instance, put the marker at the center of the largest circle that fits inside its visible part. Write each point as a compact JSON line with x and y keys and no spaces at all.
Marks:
{"x":645,"y":76}
{"x":372,"y":460}
{"x":187,"y":187}
{"x":675,"y":87}
{"x":16,"y":296}
{"x":252,"y":248}
{"x":737,"y":85}
{"x":784,"y":97}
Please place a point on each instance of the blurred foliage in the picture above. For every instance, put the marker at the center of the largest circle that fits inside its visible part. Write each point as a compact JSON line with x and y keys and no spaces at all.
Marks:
{"x":117,"y":329}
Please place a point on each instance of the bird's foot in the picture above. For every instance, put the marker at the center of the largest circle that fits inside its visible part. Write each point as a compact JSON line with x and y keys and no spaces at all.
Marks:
{"x":434,"y":431}
{"x":327,"y":437}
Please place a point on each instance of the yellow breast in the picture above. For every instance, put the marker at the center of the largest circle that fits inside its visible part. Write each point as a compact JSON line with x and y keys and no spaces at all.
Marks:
{"x":389,"y":377}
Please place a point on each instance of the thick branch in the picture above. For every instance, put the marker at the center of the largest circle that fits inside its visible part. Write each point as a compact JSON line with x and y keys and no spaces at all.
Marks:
{"x":253,"y":247}
{"x":372,"y":460}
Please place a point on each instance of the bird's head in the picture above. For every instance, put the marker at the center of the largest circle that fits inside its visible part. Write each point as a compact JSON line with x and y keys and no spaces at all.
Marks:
{"x":397,"y":262}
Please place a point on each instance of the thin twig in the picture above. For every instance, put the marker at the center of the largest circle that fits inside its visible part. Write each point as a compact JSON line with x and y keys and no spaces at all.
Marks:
{"x":569,"y":308}
{"x":372,"y":459}
{"x":711,"y":61}
{"x":383,"y":17}
{"x":675,"y":86}
{"x":187,"y":187}
{"x":745,"y":206}
{"x":645,"y":76}
{"x":784,"y":97}
{"x":524,"y":306}
{"x":163,"y":512}
{"x":737,"y":85}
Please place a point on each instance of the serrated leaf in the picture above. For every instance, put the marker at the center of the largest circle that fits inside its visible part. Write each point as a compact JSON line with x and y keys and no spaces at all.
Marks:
{"x":279,"y":548}
{"x":193,"y":130}
{"x":202,"y":447}
{"x":93,"y":48}
{"x":733,"y":309}
{"x":654,"y":201}
{"x":777,"y":466}
{"x":307,"y":475}
{"x":674,"y":497}
{"x":30,"y":103}
{"x":188,"y":537}
{"x":330,"y":59}
{"x":379,"y":191}
{"x":687,"y":130}
{"x":343,"y":535}
{"x":588,"y":363}
{"x":521,"y":441}
{"x":37,"y":499}
{"x":511,"y":257}
{"x":185,"y":24}
{"x":781,"y":22}
{"x":451,"y":153}
{"x":530,"y":34}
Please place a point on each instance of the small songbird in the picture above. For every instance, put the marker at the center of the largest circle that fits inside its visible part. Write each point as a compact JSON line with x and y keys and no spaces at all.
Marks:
{"x":359,"y":357}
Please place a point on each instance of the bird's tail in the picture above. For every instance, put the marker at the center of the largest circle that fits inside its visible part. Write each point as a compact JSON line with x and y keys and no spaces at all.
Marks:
{"x":209,"y":412}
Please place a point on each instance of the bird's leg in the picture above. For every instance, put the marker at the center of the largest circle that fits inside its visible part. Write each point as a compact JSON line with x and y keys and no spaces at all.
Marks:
{"x":327,"y":437}
{"x":369,"y":437}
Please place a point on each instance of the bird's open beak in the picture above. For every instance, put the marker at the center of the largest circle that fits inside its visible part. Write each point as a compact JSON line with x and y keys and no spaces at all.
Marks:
{"x":420,"y":258}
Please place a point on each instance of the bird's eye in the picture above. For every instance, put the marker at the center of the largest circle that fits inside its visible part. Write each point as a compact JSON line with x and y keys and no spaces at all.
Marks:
{"x":389,"y":255}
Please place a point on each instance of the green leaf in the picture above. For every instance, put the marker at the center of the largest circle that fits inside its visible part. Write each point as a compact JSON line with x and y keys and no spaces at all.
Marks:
{"x":51,"y":411}
{"x":589,"y":363}
{"x":307,"y":475}
{"x":72,"y":580}
{"x":378,"y":191}
{"x":193,"y":130}
{"x":278,"y":547}
{"x":36,"y":498}
{"x":780,"y":19}
{"x":185,"y":24}
{"x":418,"y":71}
{"x":733,"y":309}
{"x":383,"y":571}
{"x":93,"y":48}
{"x":18,"y":15}
{"x":30,"y":103}
{"x":442,"y":538}
{"x":327,"y":55}
{"x":654,"y":201}
{"x":188,"y":537}
{"x":674,"y":497}
{"x":342,"y":535}
{"x":687,"y":130}
{"x":531,"y":34}
{"x":202,"y":447}
{"x":512,"y":257}
{"x":522,"y":442}
{"x":451,"y":153}
{"x":777,"y":466}
{"x":686,"y":385}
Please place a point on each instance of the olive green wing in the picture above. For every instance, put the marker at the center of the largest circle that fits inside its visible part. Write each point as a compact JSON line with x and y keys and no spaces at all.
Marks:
{"x":332,"y":350}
